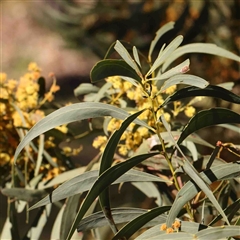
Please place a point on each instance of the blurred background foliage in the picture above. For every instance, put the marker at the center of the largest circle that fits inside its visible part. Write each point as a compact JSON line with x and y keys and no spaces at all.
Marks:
{"x":51,"y":28}
{"x":94,"y":25}
{"x":68,"y":37}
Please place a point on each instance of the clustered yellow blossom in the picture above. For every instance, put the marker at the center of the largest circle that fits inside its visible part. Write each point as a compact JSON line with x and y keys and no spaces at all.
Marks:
{"x":20,"y":109}
{"x":51,"y":171}
{"x":100,"y":142}
{"x":171,"y":90}
{"x":63,"y":128}
{"x":189,"y":111}
{"x":68,"y":151}
{"x":133,"y":137}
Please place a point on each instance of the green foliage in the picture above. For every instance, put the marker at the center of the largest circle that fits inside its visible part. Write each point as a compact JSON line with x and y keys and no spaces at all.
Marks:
{"x":210,"y":90}
{"x":112,"y":67}
{"x":187,"y":184}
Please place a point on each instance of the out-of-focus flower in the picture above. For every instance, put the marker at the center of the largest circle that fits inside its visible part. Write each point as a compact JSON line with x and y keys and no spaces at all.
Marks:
{"x":3,"y":93}
{"x":123,"y":150}
{"x":49,"y":143}
{"x":171,"y":89}
{"x":99,"y":141}
{"x":133,"y":136}
{"x":76,"y":151}
{"x":190,"y":111}
{"x":2,"y":108}
{"x":167,"y":116}
{"x":49,"y":96}
{"x":4,"y":158}
{"x":114,"y":124}
{"x":3,"y":77}
{"x":163,"y":227}
{"x":116,"y":81}
{"x":20,"y":110}
{"x":52,"y":173}
{"x":33,"y":67}
{"x":36,"y":116}
{"x":62,"y":128}
{"x":19,"y":121}
{"x":68,"y":151}
{"x":127,"y":85}
{"x":176,"y":225}
{"x":11,"y":85}
{"x":169,"y":230}
{"x":143,"y":131}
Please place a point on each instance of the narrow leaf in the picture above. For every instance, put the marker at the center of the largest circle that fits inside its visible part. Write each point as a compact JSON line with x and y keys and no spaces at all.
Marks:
{"x":208,"y":118}
{"x":40,"y":153}
{"x":111,"y":49}
{"x":85,"y":88}
{"x":207,"y":48}
{"x":197,"y":179}
{"x":189,"y":227}
{"x":218,"y":232}
{"x":36,"y":230}
{"x":163,"y":55}
{"x":131,"y":80}
{"x":55,"y":233}
{"x":129,"y":229}
{"x":210,"y":91}
{"x":176,"y":134}
{"x":112,"y":67}
{"x":189,"y":190}
{"x":71,"y":113}
{"x":226,"y":85}
{"x":165,"y":28}
{"x":120,"y":215}
{"x":102,"y":92}
{"x":231,"y":127}
{"x":70,"y":207}
{"x":23,"y":194}
{"x":85,"y":181}
{"x":6,"y":229}
{"x":234,"y":207}
{"x":195,"y":176}
{"x":173,"y":71}
{"x":103,"y":182}
{"x":150,"y":190}
{"x":62,"y":177}
{"x":107,"y":156}
{"x":187,"y":79}
{"x":173,"y":236}
{"x":106,"y":162}
{"x":135,"y":55}
{"x":126,"y":57}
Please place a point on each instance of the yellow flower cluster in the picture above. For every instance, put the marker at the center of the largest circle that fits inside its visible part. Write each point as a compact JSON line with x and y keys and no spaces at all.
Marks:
{"x":134,"y":135}
{"x":68,"y":151}
{"x":20,"y":109}
{"x":100,"y":142}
